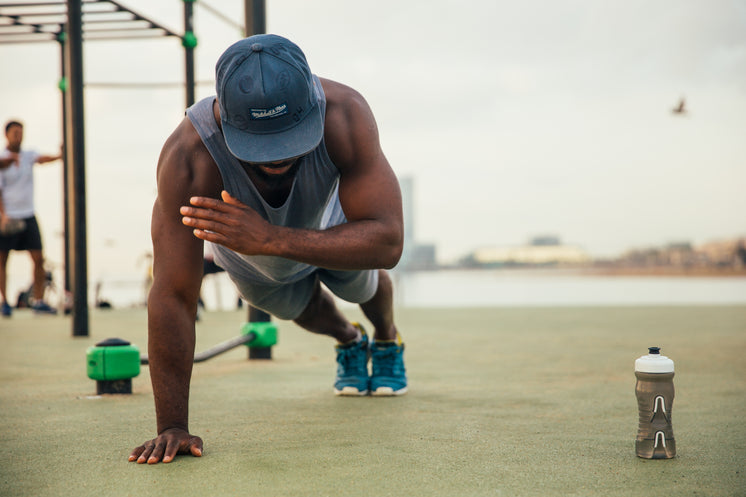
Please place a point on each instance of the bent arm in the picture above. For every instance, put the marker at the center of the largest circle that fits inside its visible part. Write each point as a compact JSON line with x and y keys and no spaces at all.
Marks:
{"x":369,"y":195}
{"x":368,"y":192}
{"x":6,"y":162}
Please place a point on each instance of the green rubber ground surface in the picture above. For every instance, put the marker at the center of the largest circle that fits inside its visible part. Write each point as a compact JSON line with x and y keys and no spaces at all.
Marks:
{"x":510,"y":402}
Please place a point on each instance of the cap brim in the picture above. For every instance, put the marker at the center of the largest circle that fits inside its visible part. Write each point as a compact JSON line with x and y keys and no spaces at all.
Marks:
{"x":272,"y":147}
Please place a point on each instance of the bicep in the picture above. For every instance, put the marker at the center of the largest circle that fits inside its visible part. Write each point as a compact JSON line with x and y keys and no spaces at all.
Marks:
{"x":370,"y":191}
{"x":368,"y":188}
{"x":177,"y":253}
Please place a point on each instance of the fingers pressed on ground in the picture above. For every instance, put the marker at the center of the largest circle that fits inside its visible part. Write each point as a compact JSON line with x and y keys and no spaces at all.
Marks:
{"x":195,"y":446}
{"x":135,"y":453}
{"x":144,"y":455}
{"x":157,"y":453}
{"x":171,"y":450}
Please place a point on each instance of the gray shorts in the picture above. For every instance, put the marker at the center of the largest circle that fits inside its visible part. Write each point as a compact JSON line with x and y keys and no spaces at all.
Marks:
{"x":287,"y":301}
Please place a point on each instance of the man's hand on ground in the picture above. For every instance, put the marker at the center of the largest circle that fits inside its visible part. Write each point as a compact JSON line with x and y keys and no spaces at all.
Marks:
{"x":166,"y":446}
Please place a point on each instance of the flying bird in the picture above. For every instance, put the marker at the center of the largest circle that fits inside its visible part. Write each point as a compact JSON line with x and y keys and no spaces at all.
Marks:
{"x":680,"y":109}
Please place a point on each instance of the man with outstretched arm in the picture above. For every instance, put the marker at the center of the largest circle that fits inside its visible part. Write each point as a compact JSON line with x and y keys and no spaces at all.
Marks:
{"x":283,"y":173}
{"x":19,"y":228}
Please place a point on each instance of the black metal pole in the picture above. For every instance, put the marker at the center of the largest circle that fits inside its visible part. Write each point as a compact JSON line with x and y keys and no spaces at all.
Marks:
{"x":255,"y":17}
{"x":75,"y":130}
{"x":255,"y":22}
{"x":63,"y":85}
{"x":189,"y":41}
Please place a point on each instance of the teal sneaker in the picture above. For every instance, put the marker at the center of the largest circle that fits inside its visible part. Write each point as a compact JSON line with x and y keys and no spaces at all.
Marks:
{"x":352,"y":367}
{"x":389,"y":376}
{"x":7,"y":310}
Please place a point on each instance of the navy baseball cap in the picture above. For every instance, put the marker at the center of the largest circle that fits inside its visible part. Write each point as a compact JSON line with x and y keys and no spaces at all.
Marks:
{"x":269,"y":105}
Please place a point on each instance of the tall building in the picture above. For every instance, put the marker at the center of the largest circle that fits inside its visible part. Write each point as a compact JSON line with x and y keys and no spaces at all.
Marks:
{"x":414,"y":256}
{"x":406,"y":184}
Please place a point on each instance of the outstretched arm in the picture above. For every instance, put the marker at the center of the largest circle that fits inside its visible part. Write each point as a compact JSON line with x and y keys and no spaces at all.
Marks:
{"x":172,"y":303}
{"x":43,"y":159}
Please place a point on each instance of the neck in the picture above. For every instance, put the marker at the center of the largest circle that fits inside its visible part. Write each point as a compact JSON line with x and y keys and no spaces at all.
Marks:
{"x":273,"y":188}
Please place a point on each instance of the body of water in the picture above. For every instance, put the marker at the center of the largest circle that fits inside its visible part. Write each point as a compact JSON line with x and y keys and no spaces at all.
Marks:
{"x":512,"y":288}
{"x":506,"y":288}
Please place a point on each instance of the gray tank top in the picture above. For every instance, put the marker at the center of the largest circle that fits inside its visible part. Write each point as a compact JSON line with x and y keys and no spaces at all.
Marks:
{"x":313,"y":202}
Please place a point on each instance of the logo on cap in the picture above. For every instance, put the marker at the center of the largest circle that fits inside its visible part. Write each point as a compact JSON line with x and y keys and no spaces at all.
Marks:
{"x":277,"y":111}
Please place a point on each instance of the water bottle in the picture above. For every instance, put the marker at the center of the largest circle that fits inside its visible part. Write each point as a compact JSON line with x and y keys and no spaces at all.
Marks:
{"x":655,"y":393}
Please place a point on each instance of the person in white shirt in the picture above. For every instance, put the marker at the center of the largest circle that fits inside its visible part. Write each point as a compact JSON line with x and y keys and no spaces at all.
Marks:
{"x":19,"y":229}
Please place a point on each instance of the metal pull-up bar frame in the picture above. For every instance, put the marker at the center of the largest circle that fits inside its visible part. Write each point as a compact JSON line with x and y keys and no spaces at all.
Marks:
{"x":66,"y":23}
{"x":69,"y":22}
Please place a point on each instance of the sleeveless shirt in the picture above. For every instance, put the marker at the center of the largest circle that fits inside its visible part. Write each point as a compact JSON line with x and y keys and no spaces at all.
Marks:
{"x":313,"y":202}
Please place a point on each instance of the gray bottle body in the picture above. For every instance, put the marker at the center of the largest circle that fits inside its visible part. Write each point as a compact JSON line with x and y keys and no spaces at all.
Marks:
{"x":655,"y":393}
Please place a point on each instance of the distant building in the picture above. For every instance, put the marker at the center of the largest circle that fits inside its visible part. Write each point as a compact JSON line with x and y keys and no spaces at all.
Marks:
{"x":415,"y":256}
{"x":714,"y":255}
{"x":725,"y":252}
{"x":545,"y":241}
{"x":541,"y":251}
{"x":423,"y":256}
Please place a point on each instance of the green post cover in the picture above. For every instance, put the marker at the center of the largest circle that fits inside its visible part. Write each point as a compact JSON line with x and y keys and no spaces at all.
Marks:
{"x":266,"y":333}
{"x":113,"y":359}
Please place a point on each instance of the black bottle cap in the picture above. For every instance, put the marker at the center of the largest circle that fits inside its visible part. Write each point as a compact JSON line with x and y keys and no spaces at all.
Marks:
{"x":654,"y":350}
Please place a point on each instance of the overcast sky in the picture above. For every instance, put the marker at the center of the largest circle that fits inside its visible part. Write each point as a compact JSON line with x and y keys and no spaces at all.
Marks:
{"x":515,"y":119}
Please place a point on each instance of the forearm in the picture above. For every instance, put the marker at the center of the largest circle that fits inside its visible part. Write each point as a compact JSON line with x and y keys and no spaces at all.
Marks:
{"x":48,"y":158}
{"x":350,"y":246}
{"x":362,"y":243}
{"x":171,"y":338}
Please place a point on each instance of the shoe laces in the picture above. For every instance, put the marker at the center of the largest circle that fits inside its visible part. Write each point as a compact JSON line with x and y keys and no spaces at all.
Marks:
{"x":386,"y":361}
{"x":349,"y":359}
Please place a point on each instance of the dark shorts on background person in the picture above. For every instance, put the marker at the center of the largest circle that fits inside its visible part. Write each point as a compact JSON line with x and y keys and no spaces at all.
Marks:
{"x":28,"y":239}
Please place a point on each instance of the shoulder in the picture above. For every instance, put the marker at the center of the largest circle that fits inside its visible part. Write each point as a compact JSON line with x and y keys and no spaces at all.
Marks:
{"x":350,"y":127}
{"x":341,"y":97}
{"x":344,"y":106}
{"x":185,"y":163}
{"x":181,"y":143}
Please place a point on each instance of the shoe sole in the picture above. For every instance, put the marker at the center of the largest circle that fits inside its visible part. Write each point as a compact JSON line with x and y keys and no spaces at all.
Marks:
{"x":350,"y":392}
{"x":388,"y":392}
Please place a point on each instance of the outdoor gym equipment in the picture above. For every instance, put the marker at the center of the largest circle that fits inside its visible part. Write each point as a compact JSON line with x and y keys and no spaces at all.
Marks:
{"x":114,"y":362}
{"x":258,"y":335}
